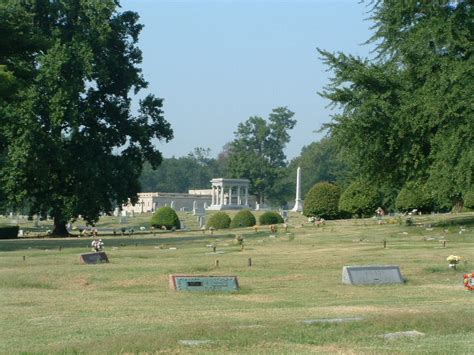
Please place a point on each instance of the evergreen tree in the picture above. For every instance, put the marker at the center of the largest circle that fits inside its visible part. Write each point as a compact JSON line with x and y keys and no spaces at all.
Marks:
{"x":407,"y":115}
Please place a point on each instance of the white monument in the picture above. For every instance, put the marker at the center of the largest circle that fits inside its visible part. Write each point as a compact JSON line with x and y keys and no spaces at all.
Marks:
{"x":229,"y":194}
{"x":298,"y":201}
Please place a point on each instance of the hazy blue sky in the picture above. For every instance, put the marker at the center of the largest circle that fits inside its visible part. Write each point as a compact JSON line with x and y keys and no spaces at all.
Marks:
{"x":216,"y":63}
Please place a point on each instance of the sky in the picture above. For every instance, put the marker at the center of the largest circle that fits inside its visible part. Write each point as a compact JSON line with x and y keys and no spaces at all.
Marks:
{"x":217,"y":63}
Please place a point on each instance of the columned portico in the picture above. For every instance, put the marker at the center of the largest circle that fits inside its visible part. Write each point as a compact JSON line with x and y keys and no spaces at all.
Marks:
{"x":229,"y":194}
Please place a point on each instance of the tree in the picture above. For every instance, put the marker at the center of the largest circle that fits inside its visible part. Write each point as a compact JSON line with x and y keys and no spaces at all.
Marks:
{"x":322,"y":201}
{"x":361,"y":198}
{"x":319,"y":161}
{"x":193,"y":171}
{"x":74,"y":146}
{"x":407,"y":115}
{"x":257,"y":154}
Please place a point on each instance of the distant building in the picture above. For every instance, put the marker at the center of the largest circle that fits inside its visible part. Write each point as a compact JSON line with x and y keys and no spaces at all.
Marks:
{"x":151,"y":201}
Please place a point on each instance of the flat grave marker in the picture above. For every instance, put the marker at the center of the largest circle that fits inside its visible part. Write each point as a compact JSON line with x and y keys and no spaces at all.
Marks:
{"x":94,"y":258}
{"x":371,"y":275}
{"x":204,"y":283}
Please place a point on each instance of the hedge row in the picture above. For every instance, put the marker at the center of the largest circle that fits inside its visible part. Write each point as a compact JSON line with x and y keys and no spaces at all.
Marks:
{"x":9,"y":232}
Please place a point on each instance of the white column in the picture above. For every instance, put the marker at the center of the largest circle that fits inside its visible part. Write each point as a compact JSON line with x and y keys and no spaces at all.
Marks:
{"x":222,"y":195}
{"x":239,"y":199}
{"x":229,"y":202}
{"x":246,"y":195}
{"x":212,"y":195}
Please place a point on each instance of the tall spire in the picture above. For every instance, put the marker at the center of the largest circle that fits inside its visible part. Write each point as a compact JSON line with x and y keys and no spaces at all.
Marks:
{"x":298,"y":201}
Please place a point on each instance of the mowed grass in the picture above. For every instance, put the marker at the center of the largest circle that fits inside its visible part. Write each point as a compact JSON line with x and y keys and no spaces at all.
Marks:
{"x":50,"y":303}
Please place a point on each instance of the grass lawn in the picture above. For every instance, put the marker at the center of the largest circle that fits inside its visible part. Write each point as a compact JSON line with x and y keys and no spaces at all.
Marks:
{"x":50,"y":303}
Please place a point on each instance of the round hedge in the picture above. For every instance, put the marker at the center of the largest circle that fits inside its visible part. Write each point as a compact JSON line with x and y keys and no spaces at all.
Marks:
{"x":243,"y":218}
{"x":469,"y":199}
{"x":165,"y":217}
{"x":218,"y":220}
{"x":322,"y":201}
{"x":270,"y":217}
{"x":360,"y":199}
{"x":414,"y":196}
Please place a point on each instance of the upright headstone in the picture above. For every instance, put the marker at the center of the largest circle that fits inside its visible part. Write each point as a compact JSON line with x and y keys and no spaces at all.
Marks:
{"x":205,"y":205}
{"x":298,"y":201}
{"x":124,"y":213}
{"x":202,"y":221}
{"x":116,"y":212}
{"x":371,"y":275}
{"x":172,"y":205}
{"x":94,"y":258}
{"x":194,"y":207}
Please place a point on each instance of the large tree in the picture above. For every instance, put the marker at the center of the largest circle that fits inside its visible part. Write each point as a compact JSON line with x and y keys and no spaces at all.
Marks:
{"x":74,"y":147}
{"x":257,"y":154}
{"x":193,"y":171}
{"x":407,"y":115}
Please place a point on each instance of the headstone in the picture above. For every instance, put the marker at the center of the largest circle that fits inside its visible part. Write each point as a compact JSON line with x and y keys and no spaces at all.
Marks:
{"x":172,"y":205}
{"x":202,"y":221}
{"x":203,"y":283}
{"x":124,"y":213}
{"x":116,"y":212}
{"x":123,"y":220}
{"x":371,"y":275}
{"x":398,"y":335}
{"x":205,"y":205}
{"x":20,"y":233}
{"x":194,"y":207}
{"x":182,"y":225}
{"x":94,"y":258}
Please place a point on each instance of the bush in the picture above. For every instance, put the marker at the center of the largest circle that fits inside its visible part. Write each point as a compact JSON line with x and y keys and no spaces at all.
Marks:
{"x":9,"y":232}
{"x":322,"y":201}
{"x":414,"y":196}
{"x":469,"y":199}
{"x":243,"y":218}
{"x":165,"y":217}
{"x":270,"y":217}
{"x":360,"y":199}
{"x":218,"y":220}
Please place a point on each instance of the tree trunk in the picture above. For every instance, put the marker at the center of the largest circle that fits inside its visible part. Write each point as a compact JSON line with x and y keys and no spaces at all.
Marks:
{"x":60,"y":229}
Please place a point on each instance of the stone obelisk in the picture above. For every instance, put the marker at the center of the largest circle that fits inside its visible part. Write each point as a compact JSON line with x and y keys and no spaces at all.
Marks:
{"x":298,"y":201}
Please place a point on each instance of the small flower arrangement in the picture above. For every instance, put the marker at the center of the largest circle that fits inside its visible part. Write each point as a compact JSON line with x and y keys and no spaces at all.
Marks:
{"x":453,"y":260}
{"x":469,"y":281}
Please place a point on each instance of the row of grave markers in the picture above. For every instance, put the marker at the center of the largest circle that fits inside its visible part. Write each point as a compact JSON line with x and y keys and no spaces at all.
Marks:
{"x":351,"y":275}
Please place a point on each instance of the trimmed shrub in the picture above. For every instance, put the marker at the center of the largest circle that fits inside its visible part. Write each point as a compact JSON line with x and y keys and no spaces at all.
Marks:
{"x":165,"y":217}
{"x":360,"y":199}
{"x":270,"y":217}
{"x":9,"y":232}
{"x":218,"y":220}
{"x":414,"y":196}
{"x":322,"y":201}
{"x":469,"y":199}
{"x":243,"y":218}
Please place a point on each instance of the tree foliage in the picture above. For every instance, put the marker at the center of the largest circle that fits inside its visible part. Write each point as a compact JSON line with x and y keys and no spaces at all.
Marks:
{"x":165,"y":217}
{"x":74,"y":146}
{"x":360,"y":199}
{"x":322,"y":201}
{"x":270,"y":217}
{"x":193,"y":171}
{"x":243,"y":218}
{"x":218,"y":220}
{"x":319,"y":161}
{"x":407,"y":115}
{"x":257,"y":154}
{"x":414,"y":195}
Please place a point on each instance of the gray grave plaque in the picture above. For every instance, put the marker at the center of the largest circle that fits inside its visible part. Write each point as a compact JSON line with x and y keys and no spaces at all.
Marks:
{"x":94,"y":258}
{"x":204,"y":283}
{"x":371,"y":275}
